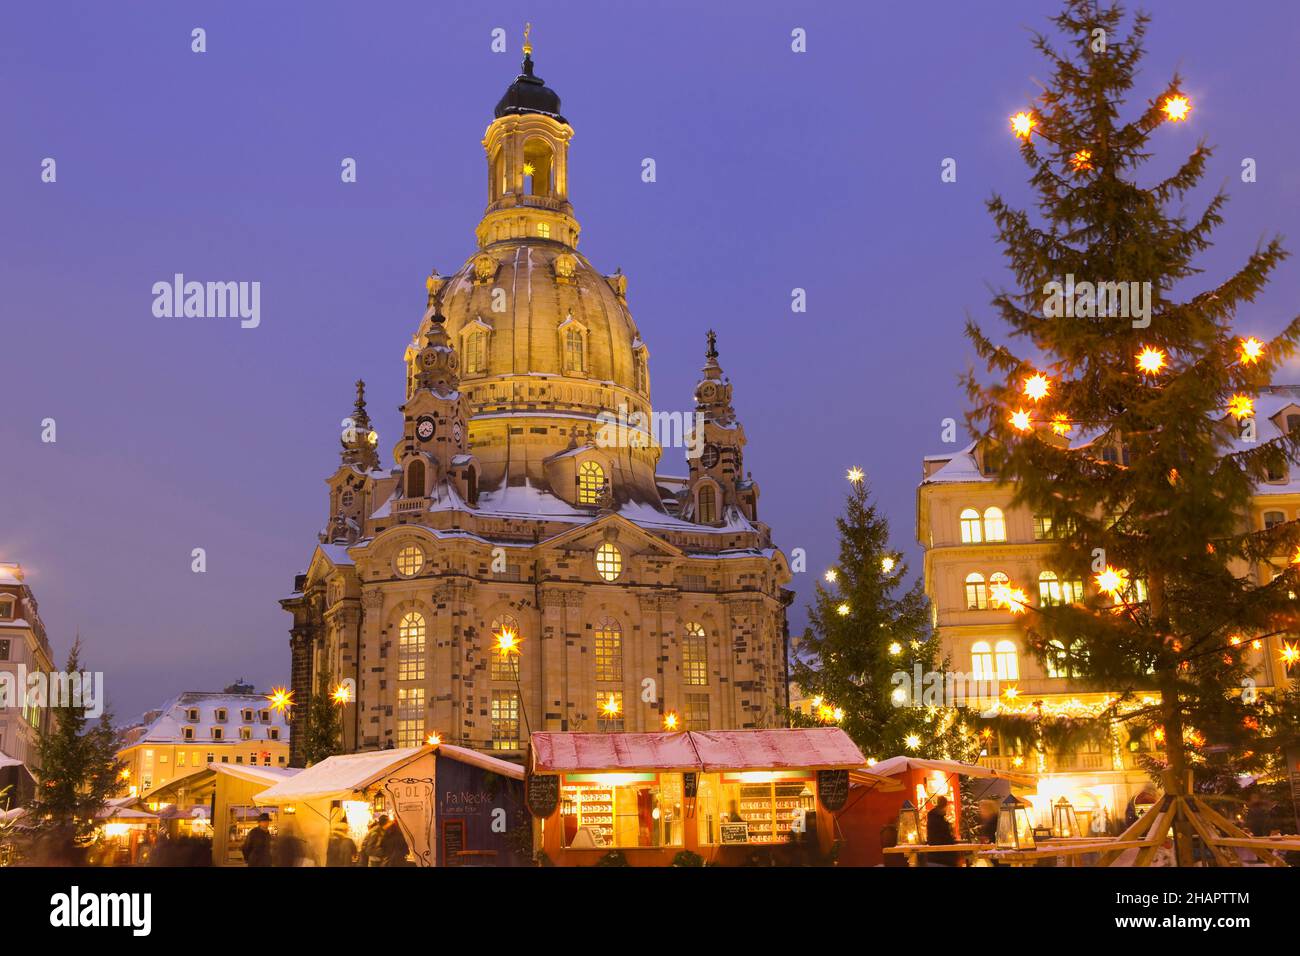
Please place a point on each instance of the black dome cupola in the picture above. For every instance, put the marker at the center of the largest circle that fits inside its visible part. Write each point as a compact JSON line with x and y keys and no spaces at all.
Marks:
{"x":528,"y":94}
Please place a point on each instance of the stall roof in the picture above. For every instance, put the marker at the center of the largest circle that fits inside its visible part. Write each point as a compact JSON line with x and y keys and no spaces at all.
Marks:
{"x":898,"y":765}
{"x":268,"y":775}
{"x":818,"y":748}
{"x":335,"y":778}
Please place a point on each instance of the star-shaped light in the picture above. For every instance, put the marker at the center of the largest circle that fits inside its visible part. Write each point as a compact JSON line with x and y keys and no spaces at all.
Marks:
{"x":912,"y":742}
{"x":1005,"y":596}
{"x":1022,"y":124}
{"x":1252,"y":350}
{"x":1290,"y":653}
{"x":1150,"y":360}
{"x":1061,"y":424}
{"x":1017,"y":761}
{"x":837,"y":714}
{"x":842,"y":610}
{"x":433,"y":739}
{"x":342,"y":694}
{"x":856,"y":474}
{"x":610,"y":706}
{"x":832,"y":575}
{"x":895,"y":649}
{"x":899,"y":696}
{"x":1177,"y":107}
{"x":1037,"y":386}
{"x":1081,"y":161}
{"x":1020,"y":420}
{"x":1011,"y":693}
{"x":1240,"y":406}
{"x":887,"y":564}
{"x":670,"y":721}
{"x":280,"y":698}
{"x":507,"y":641}
{"x":1112,"y":581}
{"x":529,"y":169}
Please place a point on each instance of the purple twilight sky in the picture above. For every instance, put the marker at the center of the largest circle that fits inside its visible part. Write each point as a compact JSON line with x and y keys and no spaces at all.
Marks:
{"x":775,"y":170}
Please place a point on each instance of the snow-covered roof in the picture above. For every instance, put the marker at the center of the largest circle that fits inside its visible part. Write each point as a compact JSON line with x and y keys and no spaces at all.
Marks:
{"x":8,"y":761}
{"x":804,"y":748}
{"x":169,"y":726}
{"x":895,"y":766}
{"x":960,"y":467}
{"x":254,"y":774}
{"x":11,"y":573}
{"x":336,"y":778}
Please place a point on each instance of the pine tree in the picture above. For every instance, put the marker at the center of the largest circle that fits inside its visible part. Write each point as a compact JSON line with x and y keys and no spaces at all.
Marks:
{"x":1133,"y":433}
{"x":323,"y":726}
{"x":865,"y":628}
{"x":78,"y":767}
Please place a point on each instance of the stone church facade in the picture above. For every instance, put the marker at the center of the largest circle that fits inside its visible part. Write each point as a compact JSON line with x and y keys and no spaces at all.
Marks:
{"x":521,"y":565}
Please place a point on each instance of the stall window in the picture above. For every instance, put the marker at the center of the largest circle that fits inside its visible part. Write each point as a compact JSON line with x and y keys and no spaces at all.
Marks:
{"x":621,"y":810}
{"x":772,"y":805}
{"x":410,"y":716}
{"x":505,"y":720}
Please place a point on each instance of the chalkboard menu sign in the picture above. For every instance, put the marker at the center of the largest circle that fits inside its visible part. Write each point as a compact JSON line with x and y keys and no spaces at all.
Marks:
{"x":453,"y":841}
{"x":734,"y":832}
{"x":690,"y":784}
{"x":833,"y":788}
{"x":542,"y":793}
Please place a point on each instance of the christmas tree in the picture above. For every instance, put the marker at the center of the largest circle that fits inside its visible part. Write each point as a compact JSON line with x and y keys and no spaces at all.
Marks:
{"x":78,"y":770}
{"x":869,"y":656}
{"x":323,"y":726}
{"x":1128,"y":425}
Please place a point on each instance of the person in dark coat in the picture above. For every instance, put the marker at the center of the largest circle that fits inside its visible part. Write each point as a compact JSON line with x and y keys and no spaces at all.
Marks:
{"x":938,"y":832}
{"x":392,"y":845}
{"x":342,"y":848}
{"x":257,"y":845}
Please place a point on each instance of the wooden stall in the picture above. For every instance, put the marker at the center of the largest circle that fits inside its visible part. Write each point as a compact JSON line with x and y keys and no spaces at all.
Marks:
{"x":726,"y":797}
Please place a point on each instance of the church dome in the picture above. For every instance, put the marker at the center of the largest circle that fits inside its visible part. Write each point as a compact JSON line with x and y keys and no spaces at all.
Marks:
{"x":528,"y":94}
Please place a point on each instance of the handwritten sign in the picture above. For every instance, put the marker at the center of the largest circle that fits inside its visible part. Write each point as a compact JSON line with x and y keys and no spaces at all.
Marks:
{"x":542,"y":794}
{"x":453,"y":841}
{"x":734,"y":832}
{"x":833,"y":788}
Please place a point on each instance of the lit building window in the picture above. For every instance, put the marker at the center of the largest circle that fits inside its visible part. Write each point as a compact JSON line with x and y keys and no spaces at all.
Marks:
{"x":609,"y":561}
{"x":505,"y":662}
{"x":708,"y":504}
{"x":1054,"y":593}
{"x":1273,"y":518}
{"x":410,"y":561}
{"x":6,"y":610}
{"x":695,"y":657}
{"x":609,"y":651}
{"x":410,"y":647}
{"x":1063,"y":661}
{"x":410,"y":716}
{"x":1007,"y":660}
{"x":544,"y":230}
{"x":977,"y":595}
{"x":981,"y":660}
{"x":475,"y":352}
{"x":574,"y":357}
{"x":697,"y":712}
{"x":995,"y":525}
{"x":609,"y":711}
{"x":970,"y":527}
{"x":505,"y":720}
{"x":591,"y":483}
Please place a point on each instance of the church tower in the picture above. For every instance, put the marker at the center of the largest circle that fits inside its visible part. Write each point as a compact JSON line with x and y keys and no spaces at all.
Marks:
{"x":718,"y":482}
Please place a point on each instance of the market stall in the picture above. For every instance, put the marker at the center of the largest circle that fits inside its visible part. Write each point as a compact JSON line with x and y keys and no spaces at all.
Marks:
{"x":869,"y":819}
{"x":455,"y":806}
{"x":724,"y":796}
{"x":122,"y":828}
{"x":218,"y":801}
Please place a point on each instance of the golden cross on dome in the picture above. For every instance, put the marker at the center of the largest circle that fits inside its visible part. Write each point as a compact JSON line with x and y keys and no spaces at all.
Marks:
{"x":528,"y":46}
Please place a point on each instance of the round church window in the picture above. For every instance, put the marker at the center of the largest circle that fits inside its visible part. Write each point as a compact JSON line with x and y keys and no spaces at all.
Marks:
{"x":609,"y":561}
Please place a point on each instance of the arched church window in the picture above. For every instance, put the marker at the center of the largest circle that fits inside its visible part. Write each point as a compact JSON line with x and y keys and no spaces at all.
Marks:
{"x":708,"y":509}
{"x":415,"y":479}
{"x":695,"y":656}
{"x":410,"y":647}
{"x":538,"y":163}
{"x":574,"y":353}
{"x":505,"y":648}
{"x":609,"y":650}
{"x":591,"y":483}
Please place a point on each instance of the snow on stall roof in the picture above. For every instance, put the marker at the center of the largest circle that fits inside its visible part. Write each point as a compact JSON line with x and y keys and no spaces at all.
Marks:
{"x":8,"y":761}
{"x":895,"y":766}
{"x":253,"y":774}
{"x":336,"y":777}
{"x":788,"y":748}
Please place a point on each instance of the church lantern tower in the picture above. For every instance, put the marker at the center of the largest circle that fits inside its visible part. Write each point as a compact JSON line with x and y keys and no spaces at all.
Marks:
{"x":717,"y":479}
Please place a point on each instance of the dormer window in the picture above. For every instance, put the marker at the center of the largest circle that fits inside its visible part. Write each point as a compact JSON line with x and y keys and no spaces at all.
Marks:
{"x":245,"y":733}
{"x":273,"y":733}
{"x":591,"y":483}
{"x":187,"y":733}
{"x":266,"y":716}
{"x":574,"y":359}
{"x":475,"y":352}
{"x":192,"y":715}
{"x":1292,"y":422}
{"x":6,"y":609}
{"x":218,"y":733}
{"x":221,"y":715}
{"x":247,"y":715}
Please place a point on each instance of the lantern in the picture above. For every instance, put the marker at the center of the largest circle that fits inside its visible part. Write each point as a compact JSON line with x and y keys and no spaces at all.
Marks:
{"x":909,"y":824}
{"x":1065,"y":822}
{"x":1015,"y":829}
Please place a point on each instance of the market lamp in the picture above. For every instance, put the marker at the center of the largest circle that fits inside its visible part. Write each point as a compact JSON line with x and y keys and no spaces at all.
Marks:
{"x":1015,"y":829}
{"x":909,"y":824}
{"x":1065,"y":822}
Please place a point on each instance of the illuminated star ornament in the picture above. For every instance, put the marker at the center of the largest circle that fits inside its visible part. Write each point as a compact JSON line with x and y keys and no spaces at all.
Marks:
{"x":1290,"y":653}
{"x":1112,"y":581}
{"x":1081,"y":161}
{"x":856,"y":474}
{"x":842,"y":610}
{"x":433,"y":739}
{"x":1061,"y":424}
{"x":1037,"y":386}
{"x":1014,"y":600}
{"x":1150,"y":360}
{"x":610,"y":706}
{"x":507,"y":641}
{"x":1177,"y":107}
{"x":1022,"y":124}
{"x":670,"y":721}
{"x":1240,"y":406}
{"x":912,"y":742}
{"x":887,"y":564}
{"x":1020,"y":420}
{"x":280,"y":699}
{"x":342,"y":694}
{"x":832,"y":575}
{"x":1252,"y":350}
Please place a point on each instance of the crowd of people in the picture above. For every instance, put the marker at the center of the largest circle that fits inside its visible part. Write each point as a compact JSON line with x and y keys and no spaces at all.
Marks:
{"x":383,"y":845}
